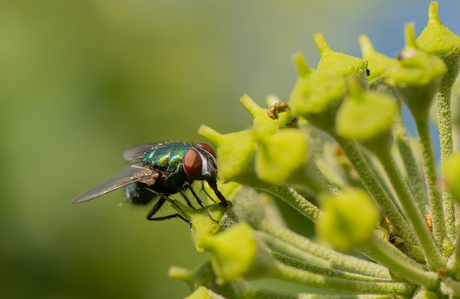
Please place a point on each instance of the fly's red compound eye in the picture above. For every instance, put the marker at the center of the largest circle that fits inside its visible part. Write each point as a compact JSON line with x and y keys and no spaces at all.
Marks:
{"x":206,"y":148}
{"x":193,"y":163}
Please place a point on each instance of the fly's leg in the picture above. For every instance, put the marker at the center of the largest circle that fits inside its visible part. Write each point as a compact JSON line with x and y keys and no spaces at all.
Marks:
{"x":187,"y":185}
{"x":204,"y":189}
{"x":187,"y":200}
{"x":213,"y":184}
{"x":168,"y":217}
{"x":158,"y":205}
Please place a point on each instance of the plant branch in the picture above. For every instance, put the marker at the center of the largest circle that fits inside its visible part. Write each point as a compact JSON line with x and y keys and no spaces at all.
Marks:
{"x":394,"y":262}
{"x":390,"y":250}
{"x":302,"y":265}
{"x":286,"y":248}
{"x":455,"y":137}
{"x":288,"y":273}
{"x":379,"y":174}
{"x":410,"y":164}
{"x":432,"y":180}
{"x":388,"y":208}
{"x":445,"y":135}
{"x":290,"y":196}
{"x":338,"y":260}
{"x":433,"y":257}
{"x":453,"y":266}
{"x":316,"y":145}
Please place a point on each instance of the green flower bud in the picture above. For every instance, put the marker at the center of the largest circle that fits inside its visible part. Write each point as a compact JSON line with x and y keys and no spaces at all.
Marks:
{"x":437,"y":39}
{"x":451,"y":174}
{"x":235,"y":152}
{"x":263,"y":123}
{"x":317,"y":95}
{"x":349,"y":219}
{"x":367,"y":117}
{"x":280,"y":155}
{"x":377,"y":62}
{"x":204,"y":293}
{"x":339,"y":63}
{"x":202,"y":225}
{"x":236,"y":253}
{"x":416,"y":76}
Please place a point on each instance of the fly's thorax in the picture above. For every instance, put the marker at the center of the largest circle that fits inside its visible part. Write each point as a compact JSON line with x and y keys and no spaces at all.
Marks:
{"x":167,"y":156}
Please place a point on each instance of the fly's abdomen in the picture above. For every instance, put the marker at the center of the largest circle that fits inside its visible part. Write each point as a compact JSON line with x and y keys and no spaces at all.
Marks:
{"x":138,"y":194}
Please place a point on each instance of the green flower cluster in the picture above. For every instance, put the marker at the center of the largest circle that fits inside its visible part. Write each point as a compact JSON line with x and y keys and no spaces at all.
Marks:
{"x":365,"y":177}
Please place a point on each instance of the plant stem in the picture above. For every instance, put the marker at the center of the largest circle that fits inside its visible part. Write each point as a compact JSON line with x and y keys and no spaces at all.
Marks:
{"x":288,"y":273}
{"x":388,"y":208}
{"x":299,"y":264}
{"x":204,"y":276}
{"x":451,"y":287}
{"x":316,"y":145}
{"x":286,"y":248}
{"x":290,"y":196}
{"x":432,"y":180}
{"x":433,"y":257}
{"x":390,"y":250}
{"x":396,"y":263}
{"x":445,"y":136}
{"x":455,"y":137}
{"x":338,"y":260}
{"x":413,"y":173}
{"x":379,"y":174}
{"x":453,"y":266}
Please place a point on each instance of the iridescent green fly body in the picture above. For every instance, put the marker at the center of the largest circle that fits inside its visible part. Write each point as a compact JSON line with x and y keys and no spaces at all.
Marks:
{"x":159,"y":170}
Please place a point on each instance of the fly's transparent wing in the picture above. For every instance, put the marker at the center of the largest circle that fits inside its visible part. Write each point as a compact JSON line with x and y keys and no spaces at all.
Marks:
{"x":134,"y":173}
{"x":138,"y":151}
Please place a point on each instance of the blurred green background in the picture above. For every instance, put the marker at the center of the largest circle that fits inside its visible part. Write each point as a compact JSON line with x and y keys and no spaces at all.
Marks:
{"x":80,"y":81}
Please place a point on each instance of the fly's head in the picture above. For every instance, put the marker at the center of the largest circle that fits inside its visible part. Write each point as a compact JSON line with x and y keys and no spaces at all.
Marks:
{"x":200,"y":164}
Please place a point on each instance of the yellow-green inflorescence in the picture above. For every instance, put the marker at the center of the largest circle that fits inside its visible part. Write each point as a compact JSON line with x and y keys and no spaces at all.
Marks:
{"x":279,"y":149}
{"x":236,"y":253}
{"x":415,"y":76}
{"x":367,"y":117}
{"x":317,"y":95}
{"x":437,"y":39}
{"x":202,"y":224}
{"x":397,"y":221}
{"x":235,"y":152}
{"x":338,"y":63}
{"x":280,"y":155}
{"x":377,"y":62}
{"x":344,"y":226}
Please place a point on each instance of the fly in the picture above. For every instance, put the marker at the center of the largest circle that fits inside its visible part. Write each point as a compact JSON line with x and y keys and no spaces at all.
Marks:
{"x":159,"y":170}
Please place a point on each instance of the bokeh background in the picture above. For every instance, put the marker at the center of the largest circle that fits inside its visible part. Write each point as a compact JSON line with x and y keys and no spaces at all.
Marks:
{"x":80,"y":81}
